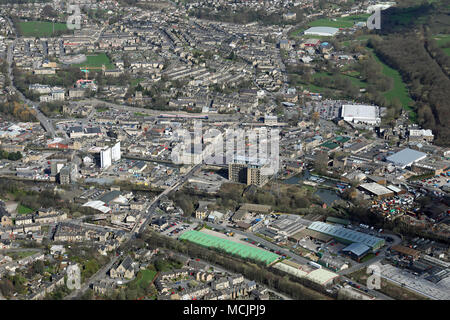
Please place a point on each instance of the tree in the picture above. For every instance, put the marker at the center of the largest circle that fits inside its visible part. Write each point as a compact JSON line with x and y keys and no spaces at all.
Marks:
{"x":6,"y":287}
{"x":49,"y":12}
{"x":38,"y":267}
{"x":315,"y":117}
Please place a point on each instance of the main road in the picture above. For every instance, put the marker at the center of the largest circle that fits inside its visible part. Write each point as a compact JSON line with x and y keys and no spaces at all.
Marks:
{"x":45,"y":122}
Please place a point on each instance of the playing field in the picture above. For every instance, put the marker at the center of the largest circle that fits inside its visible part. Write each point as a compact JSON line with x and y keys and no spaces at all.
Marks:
{"x":342,"y":22}
{"x":96,"y":61}
{"x":231,"y":247}
{"x":40,"y":28}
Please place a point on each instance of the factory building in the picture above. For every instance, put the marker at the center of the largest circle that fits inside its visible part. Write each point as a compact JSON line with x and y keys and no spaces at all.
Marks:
{"x":322,"y":31}
{"x":406,"y":157}
{"x":347,"y":236}
{"x":361,"y":114}
{"x":377,"y":190}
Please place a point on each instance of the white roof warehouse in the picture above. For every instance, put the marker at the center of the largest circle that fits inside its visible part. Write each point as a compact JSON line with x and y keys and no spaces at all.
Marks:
{"x":377,"y":190}
{"x":322,"y":31}
{"x":360,"y":113}
{"x":406,"y":157}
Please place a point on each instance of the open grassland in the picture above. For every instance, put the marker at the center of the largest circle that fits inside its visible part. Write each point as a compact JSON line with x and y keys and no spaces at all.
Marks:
{"x":342,"y":22}
{"x":96,"y":61}
{"x":442,"y":40}
{"x":21,"y":209}
{"x":399,"y":90}
{"x":40,"y":28}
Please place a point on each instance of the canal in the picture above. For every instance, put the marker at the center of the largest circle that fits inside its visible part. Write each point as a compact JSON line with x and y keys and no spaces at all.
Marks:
{"x":326,"y":195}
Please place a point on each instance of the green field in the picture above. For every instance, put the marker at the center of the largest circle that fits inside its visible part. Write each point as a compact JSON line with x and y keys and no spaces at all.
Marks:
{"x":40,"y":28}
{"x":399,"y":90}
{"x":356,"y":40}
{"x":342,"y":22}
{"x":296,"y":32}
{"x":313,"y":88}
{"x":145,"y":277}
{"x":20,"y":254}
{"x":21,"y":209}
{"x":135,"y":82}
{"x":229,"y":246}
{"x":352,"y":77}
{"x":96,"y":61}
{"x":443,"y":39}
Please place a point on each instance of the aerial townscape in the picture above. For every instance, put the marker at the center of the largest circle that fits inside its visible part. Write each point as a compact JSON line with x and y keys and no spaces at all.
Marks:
{"x":224,"y":150}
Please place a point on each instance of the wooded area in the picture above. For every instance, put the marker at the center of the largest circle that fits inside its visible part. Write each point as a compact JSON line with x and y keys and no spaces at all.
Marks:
{"x":428,"y":82}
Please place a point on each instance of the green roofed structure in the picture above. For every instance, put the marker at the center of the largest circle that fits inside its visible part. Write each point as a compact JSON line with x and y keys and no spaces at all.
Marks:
{"x":330,"y":145}
{"x":347,"y":236}
{"x":344,"y":222}
{"x":341,"y":139}
{"x":242,"y":250}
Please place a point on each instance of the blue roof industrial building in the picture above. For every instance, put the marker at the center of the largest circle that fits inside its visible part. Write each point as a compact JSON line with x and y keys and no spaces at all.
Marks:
{"x":356,"y":250}
{"x":347,"y":236}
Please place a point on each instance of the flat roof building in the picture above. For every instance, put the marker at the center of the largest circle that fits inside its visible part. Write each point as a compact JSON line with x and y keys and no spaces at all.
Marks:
{"x":361,"y":113}
{"x":322,"y":31}
{"x":406,"y":157}
{"x":377,"y":190}
{"x":322,"y":276}
{"x":409,"y":252}
{"x":345,"y":235}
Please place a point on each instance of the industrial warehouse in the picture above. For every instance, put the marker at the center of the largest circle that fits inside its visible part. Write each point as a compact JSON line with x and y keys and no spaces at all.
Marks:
{"x":322,"y":31}
{"x":361,"y":114}
{"x":406,"y":157}
{"x":242,"y":250}
{"x":347,"y":236}
{"x":377,"y":190}
{"x":313,"y":272}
